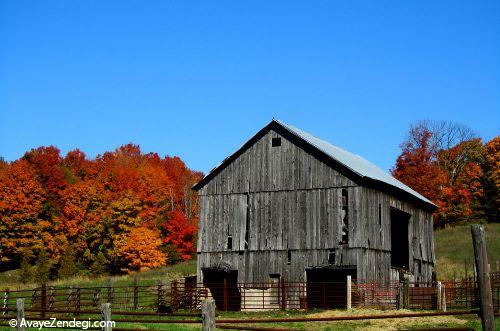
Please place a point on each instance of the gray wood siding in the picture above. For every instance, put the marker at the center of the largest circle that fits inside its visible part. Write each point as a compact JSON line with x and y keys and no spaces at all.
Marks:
{"x":266,"y":168}
{"x":293,"y":203}
{"x":282,"y":220}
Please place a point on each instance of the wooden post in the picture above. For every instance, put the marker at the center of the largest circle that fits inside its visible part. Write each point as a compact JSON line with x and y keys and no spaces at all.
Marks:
{"x":5,"y":304}
{"x":438,"y":296}
{"x":443,"y":298}
{"x":208,"y":315}
{"x":44,"y":300}
{"x":483,"y":273}
{"x":349,"y":297}
{"x":225,"y":293}
{"x":160,"y":295}
{"x":400,"y":296}
{"x":136,"y":292}
{"x":498,"y":265}
{"x":78,"y":299}
{"x":106,"y":316}
{"x":20,"y":314}
{"x":52,"y":298}
{"x":110,"y":290}
{"x":406,"y":292}
{"x":283,"y":294}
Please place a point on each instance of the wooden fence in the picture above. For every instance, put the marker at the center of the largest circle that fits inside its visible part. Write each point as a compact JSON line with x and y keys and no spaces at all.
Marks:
{"x":181,"y":295}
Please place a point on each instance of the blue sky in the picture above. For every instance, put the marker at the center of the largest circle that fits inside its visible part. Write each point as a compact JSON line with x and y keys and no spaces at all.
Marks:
{"x":197,"y":78}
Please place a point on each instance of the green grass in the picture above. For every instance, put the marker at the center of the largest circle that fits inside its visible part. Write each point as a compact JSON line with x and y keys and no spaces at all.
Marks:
{"x":165,"y":274}
{"x":380,"y":324}
{"x":453,"y":245}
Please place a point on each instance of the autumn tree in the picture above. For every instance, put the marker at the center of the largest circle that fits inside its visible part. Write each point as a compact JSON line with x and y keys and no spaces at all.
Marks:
{"x":140,"y":250}
{"x":491,"y":181}
{"x":21,"y":201}
{"x":442,"y":161}
{"x":417,"y":167}
{"x":48,"y":202}
{"x":181,"y":233}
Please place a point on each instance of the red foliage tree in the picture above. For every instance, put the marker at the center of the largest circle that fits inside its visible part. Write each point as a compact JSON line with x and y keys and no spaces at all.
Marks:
{"x":181,"y":234}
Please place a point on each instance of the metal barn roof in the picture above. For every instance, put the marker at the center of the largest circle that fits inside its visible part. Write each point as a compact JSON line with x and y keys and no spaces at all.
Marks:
{"x":355,"y":163}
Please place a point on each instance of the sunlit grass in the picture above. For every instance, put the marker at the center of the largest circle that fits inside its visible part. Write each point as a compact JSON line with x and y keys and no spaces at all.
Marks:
{"x":453,"y":245}
{"x":165,"y":274}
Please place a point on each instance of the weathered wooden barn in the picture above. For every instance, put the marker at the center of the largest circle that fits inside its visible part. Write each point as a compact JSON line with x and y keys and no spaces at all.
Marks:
{"x":289,"y":205}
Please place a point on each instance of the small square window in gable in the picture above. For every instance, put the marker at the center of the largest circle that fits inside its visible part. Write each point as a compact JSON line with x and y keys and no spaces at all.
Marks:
{"x":276,"y":142}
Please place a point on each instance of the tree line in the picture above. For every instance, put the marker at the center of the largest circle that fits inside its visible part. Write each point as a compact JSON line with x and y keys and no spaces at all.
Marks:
{"x":127,"y":210}
{"x":122,"y":211}
{"x":450,"y":165}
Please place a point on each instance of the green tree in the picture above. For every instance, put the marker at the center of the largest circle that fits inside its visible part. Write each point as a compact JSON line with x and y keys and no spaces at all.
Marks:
{"x":99,"y":266}
{"x":25,"y":273}
{"x":42,"y":268}
{"x":67,"y":266}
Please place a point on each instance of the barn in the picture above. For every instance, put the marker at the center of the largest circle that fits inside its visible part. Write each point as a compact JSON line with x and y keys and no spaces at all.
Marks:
{"x":288,"y":205}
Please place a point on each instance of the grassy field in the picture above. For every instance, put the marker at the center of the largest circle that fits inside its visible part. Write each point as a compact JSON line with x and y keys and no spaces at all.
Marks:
{"x":453,"y":245}
{"x":9,"y":279}
{"x":380,"y":324}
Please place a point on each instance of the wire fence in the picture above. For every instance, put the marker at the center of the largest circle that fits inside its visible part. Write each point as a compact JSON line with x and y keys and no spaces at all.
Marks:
{"x":272,"y":295}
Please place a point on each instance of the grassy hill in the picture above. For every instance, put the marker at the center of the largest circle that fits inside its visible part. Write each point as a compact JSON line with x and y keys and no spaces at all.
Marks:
{"x":9,"y":279}
{"x":453,"y":245}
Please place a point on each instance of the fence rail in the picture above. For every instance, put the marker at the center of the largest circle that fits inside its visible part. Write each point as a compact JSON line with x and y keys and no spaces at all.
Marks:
{"x":183,"y":295}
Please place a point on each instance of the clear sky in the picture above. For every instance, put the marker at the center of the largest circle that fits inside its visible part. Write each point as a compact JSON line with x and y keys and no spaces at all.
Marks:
{"x":198,"y":78}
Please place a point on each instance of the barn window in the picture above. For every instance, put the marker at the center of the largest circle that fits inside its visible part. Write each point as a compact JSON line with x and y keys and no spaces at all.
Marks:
{"x":345,"y":217}
{"x":276,"y":142}
{"x":331,"y":256}
{"x":247,"y":222}
{"x":229,"y":242}
{"x":380,"y":215}
{"x":289,"y":257}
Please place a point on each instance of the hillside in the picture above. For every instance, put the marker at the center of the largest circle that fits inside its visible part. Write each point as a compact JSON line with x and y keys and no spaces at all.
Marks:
{"x":453,"y":245}
{"x":165,"y":274}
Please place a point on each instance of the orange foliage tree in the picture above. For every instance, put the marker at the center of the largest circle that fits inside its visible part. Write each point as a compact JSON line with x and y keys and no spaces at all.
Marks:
{"x":100,"y":206}
{"x":140,"y":250}
{"x":444,"y":162}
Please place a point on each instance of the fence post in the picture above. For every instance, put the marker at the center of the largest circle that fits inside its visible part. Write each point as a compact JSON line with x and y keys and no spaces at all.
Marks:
{"x":443,"y":298}
{"x":174,"y":295}
{"x":106,"y":316}
{"x":136,"y":292}
{"x":78,"y":299}
{"x":225,"y":293}
{"x":406,"y":292}
{"x":349,"y":296}
{"x":43,"y":300}
{"x":399,"y":302}
{"x":20,"y":314}
{"x":438,"y":295}
{"x":208,"y":315}
{"x":52,"y":298}
{"x":5,"y":304}
{"x":159,"y":295}
{"x":283,"y":294}
{"x":483,"y":274}
{"x":110,"y":290}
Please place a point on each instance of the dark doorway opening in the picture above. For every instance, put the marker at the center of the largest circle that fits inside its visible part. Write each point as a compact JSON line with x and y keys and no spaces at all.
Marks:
{"x":327,"y":286}
{"x":400,"y":243}
{"x":224,"y":288}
